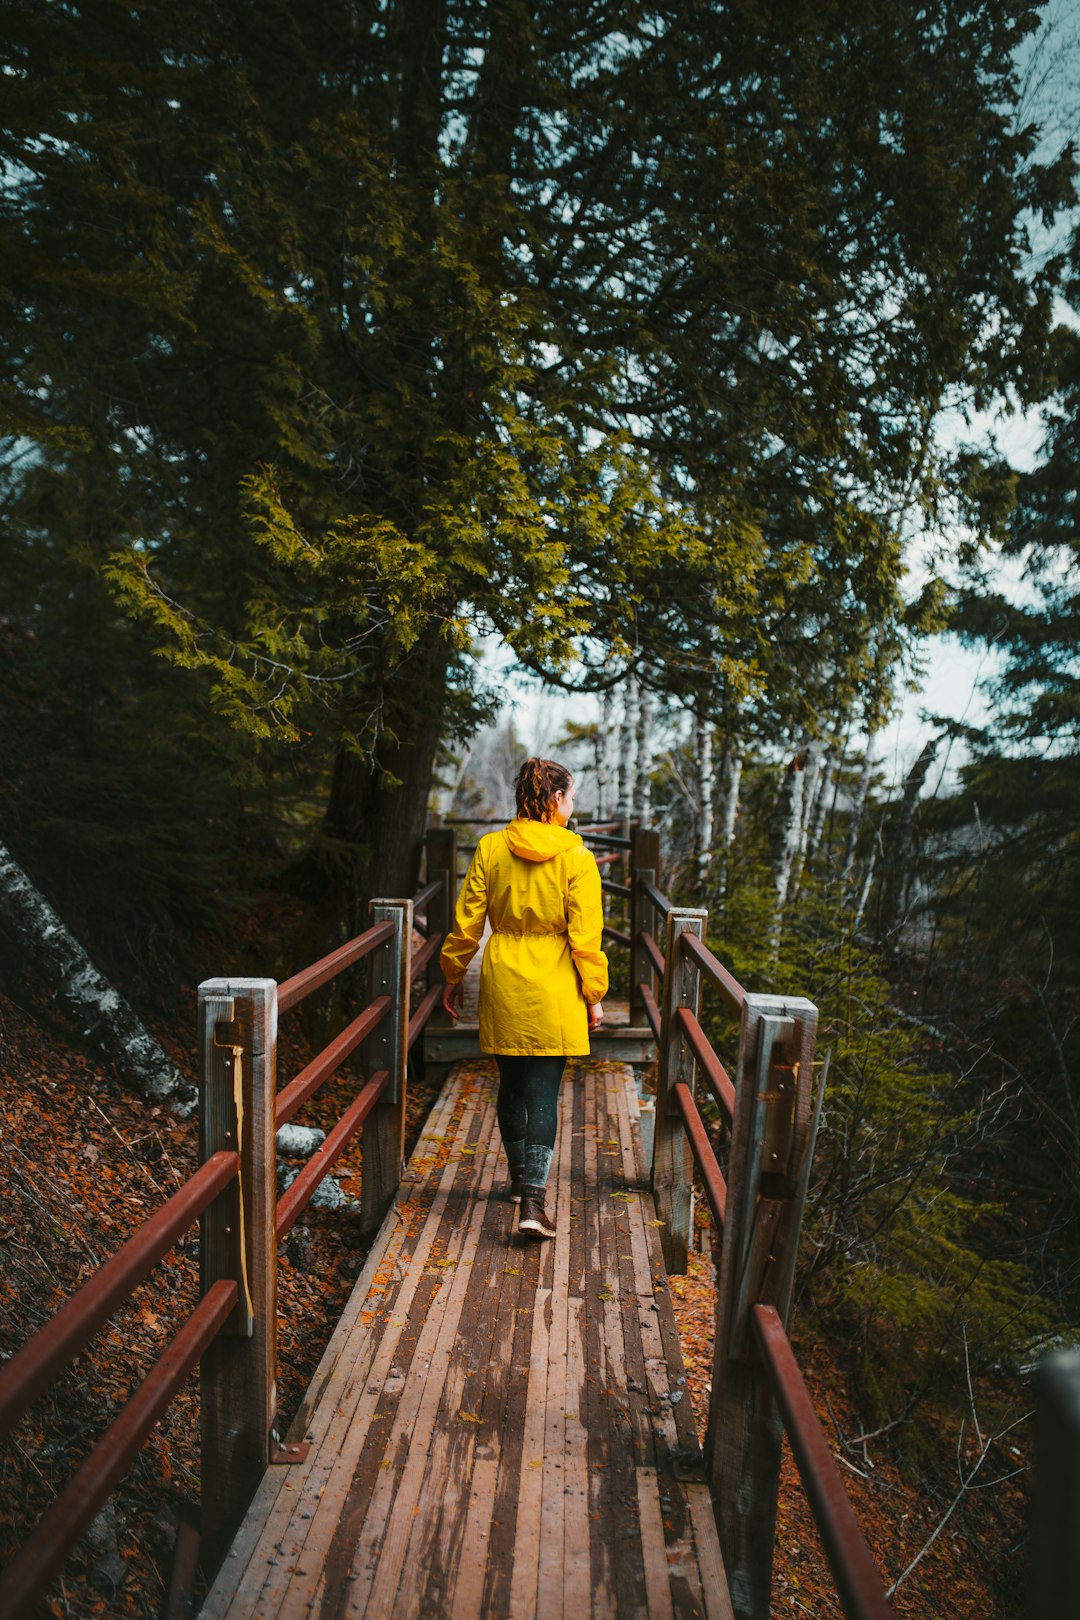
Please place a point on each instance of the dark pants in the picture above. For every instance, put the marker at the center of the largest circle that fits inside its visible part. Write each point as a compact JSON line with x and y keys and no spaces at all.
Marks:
{"x":528,"y":1108}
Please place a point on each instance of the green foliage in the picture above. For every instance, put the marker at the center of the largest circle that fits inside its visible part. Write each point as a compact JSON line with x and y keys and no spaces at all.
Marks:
{"x":909,"y":1252}
{"x":331,"y":344}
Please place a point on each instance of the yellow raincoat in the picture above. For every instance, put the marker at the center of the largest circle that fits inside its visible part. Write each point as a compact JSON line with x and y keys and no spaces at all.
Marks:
{"x":543,"y":966}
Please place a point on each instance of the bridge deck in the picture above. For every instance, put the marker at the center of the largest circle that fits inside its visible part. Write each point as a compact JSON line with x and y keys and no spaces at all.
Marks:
{"x":498,"y":1428}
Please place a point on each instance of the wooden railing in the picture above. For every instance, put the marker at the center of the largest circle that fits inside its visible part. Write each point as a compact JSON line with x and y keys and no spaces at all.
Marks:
{"x":768,"y":1119}
{"x":232,"y":1331}
{"x":767,"y":1115}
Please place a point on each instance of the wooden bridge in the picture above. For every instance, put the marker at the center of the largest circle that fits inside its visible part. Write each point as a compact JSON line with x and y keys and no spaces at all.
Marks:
{"x":496,"y":1428}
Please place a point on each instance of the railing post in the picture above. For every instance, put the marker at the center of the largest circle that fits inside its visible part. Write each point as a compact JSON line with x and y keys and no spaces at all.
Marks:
{"x":441,"y":862}
{"x":387,"y":1048}
{"x":771,"y":1141}
{"x":644,"y":867}
{"x":673,"y":1160}
{"x":238,"y":1041}
{"x":1054,"y":1586}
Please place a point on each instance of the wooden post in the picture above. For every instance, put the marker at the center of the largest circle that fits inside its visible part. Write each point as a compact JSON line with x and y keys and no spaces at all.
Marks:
{"x":644,"y":865}
{"x":387,"y":1048}
{"x":441,"y":862}
{"x":1054,"y":1586}
{"x":673,"y":1159}
{"x":771,"y":1137}
{"x":238,"y":1040}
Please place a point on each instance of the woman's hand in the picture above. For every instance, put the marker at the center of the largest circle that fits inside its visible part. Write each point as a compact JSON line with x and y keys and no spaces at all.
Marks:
{"x":452,"y":998}
{"x":596,"y":1015}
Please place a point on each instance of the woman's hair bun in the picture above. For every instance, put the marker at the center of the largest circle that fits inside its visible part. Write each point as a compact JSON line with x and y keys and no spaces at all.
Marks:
{"x":536,"y":785}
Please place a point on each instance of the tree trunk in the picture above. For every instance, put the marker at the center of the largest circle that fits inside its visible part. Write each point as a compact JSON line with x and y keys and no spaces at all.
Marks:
{"x":786,"y":830}
{"x":728,"y":807}
{"x":899,"y":839}
{"x":603,"y":739}
{"x":858,"y":810}
{"x":813,"y":795}
{"x":622,"y":804}
{"x":106,"y":1020}
{"x":703,"y":765}
{"x":815,"y":821}
{"x":644,"y":776}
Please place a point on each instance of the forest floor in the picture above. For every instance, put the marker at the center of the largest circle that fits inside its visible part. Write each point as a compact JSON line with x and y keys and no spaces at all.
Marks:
{"x":82,"y":1163}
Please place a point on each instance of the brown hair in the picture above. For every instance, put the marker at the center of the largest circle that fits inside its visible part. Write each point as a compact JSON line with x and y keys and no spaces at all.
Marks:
{"x":536,"y":785}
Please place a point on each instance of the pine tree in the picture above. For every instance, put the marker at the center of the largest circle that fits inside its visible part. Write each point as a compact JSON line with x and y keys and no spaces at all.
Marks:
{"x":339,"y":334}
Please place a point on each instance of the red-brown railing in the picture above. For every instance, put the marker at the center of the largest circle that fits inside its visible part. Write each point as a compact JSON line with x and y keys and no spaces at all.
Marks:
{"x":768,"y":1117}
{"x":232,"y":1329}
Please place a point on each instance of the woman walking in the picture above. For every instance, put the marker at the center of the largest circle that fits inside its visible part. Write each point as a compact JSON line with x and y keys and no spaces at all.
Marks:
{"x":543,"y":976}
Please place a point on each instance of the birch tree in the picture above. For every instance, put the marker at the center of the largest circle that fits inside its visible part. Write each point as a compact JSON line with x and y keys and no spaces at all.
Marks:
{"x":103,"y":1017}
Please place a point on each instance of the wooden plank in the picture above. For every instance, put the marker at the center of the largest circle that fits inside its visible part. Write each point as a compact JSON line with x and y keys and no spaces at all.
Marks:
{"x":523,"y":1269}
{"x":651,"y":1520}
{"x":599,"y":1401}
{"x":526,"y":1543}
{"x":371,"y":1562}
{"x":313,"y":1417}
{"x":624,"y":1389}
{"x":338,"y":1426}
{"x":549,"y":1602}
{"x":466,"y":1596}
{"x":493,"y":1433}
{"x":577,"y":1564}
{"x":486,"y":1395}
{"x":443,"y":1465}
{"x":707,"y":1542}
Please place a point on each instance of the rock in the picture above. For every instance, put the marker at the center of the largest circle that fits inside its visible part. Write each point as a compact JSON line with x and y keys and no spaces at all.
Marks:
{"x":297,"y":1248}
{"x":328,"y":1195}
{"x":104,"y":1545}
{"x":299,"y":1141}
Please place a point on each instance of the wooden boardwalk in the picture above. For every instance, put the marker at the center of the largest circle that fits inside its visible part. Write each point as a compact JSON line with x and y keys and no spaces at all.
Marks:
{"x":498,"y":1428}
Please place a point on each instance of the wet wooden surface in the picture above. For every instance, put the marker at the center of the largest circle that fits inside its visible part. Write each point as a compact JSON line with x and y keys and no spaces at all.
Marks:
{"x":499,"y":1427}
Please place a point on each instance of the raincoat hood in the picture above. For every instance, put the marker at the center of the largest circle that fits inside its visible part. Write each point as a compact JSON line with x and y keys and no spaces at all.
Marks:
{"x":539,"y":840}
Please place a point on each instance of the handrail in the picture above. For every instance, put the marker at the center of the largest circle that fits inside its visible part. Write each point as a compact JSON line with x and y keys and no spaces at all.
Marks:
{"x":858,"y":1582}
{"x":423,"y":956}
{"x":653,"y":952}
{"x":749,"y":1333}
{"x":718,"y":1079}
{"x":652,"y":1011}
{"x":717,"y":974}
{"x":301,"y":1190}
{"x":44,"y":1356}
{"x":422,"y":1014}
{"x":26,"y":1577}
{"x":311,"y":1077}
{"x":612,"y":887}
{"x":424,"y":896}
{"x":607,"y":840}
{"x":711,"y":1175}
{"x":652,"y":893}
{"x":328,"y":967}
